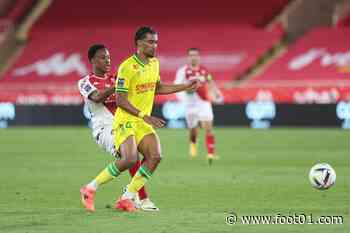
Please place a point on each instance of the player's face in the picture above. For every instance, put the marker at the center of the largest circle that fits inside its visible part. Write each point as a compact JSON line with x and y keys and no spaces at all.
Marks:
{"x":102,"y":60}
{"x":193,"y":57}
{"x":148,"y":45}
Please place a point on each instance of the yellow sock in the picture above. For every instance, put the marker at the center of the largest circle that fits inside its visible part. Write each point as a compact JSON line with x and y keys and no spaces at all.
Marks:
{"x":139,"y":179}
{"x":110,"y":172}
{"x":193,"y":149}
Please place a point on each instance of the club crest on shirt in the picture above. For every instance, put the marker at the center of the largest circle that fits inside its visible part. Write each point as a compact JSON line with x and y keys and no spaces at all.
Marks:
{"x":121,"y":82}
{"x":87,"y":88}
{"x":135,"y":66}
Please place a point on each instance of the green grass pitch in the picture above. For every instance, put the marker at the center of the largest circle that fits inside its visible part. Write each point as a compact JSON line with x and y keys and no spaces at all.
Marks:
{"x":260,"y":172}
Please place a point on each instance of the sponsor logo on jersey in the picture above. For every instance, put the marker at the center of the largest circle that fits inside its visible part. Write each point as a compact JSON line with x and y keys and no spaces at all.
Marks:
{"x":144,"y":87}
{"x":87,"y":88}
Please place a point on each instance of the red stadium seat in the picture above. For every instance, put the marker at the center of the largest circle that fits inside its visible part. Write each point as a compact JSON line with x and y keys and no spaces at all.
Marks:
{"x":343,"y":22}
{"x":180,"y":12}
{"x":316,"y":67}
{"x":55,"y":56}
{"x":19,"y":10}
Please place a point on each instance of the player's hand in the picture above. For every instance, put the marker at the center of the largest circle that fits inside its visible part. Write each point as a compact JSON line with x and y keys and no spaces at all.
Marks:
{"x":218,"y":99}
{"x":154,"y":121}
{"x":193,"y":85}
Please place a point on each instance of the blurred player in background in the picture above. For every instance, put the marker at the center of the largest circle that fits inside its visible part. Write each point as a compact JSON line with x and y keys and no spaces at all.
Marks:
{"x":98,"y":90}
{"x":199,"y":112}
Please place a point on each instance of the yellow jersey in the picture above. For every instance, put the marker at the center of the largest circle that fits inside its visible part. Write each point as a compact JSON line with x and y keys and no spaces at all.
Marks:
{"x":139,"y":80}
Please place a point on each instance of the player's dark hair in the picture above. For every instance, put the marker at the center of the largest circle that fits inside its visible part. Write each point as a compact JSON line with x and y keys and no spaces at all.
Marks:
{"x":193,"y":49}
{"x":93,"y":50}
{"x":141,"y":33}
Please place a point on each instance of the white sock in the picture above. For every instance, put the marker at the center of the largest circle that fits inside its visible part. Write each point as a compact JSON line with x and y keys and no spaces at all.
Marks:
{"x":128,"y":195}
{"x":92,"y":185}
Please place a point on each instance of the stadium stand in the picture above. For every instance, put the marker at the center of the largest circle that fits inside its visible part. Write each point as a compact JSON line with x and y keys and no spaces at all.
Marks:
{"x":12,"y":30}
{"x":179,"y":12}
{"x":320,"y":56}
{"x":341,"y":14}
{"x":5,"y":6}
{"x":225,"y":56}
{"x":55,"y":56}
{"x":4,"y":28}
{"x":315,"y":68}
{"x":343,"y":22}
{"x":12,"y":12}
{"x":15,"y":11}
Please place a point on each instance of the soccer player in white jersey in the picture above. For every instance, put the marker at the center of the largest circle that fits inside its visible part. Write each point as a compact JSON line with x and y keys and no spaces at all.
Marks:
{"x":198,"y":104}
{"x":98,"y":91}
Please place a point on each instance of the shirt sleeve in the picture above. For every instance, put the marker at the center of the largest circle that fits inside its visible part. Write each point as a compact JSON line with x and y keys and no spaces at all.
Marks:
{"x":123,"y":79}
{"x":158,"y":71}
{"x":85,"y":87}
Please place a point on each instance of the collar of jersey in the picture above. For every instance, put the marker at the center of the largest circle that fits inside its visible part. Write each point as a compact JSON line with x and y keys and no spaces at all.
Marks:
{"x":98,"y":77}
{"x":138,"y":60}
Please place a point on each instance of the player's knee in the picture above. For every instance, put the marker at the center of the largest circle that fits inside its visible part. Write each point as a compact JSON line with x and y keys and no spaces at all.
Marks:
{"x":209,"y":131}
{"x":131,"y":160}
{"x":155,"y":159}
{"x":130,"y":163}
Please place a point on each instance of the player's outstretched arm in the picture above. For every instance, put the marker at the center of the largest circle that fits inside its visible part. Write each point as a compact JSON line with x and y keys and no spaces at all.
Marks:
{"x":123,"y":102}
{"x":101,"y":96}
{"x":215,"y":92}
{"x":165,"y":89}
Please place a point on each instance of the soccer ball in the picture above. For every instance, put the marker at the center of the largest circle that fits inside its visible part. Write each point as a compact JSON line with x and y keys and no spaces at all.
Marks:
{"x":322,"y":176}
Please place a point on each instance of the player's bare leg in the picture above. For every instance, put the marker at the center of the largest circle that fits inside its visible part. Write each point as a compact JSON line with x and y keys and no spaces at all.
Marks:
{"x":151,"y":150}
{"x":128,"y":150}
{"x":113,"y":170}
{"x":129,"y":154}
{"x":127,"y":160}
{"x":209,"y":140}
{"x":193,"y":134}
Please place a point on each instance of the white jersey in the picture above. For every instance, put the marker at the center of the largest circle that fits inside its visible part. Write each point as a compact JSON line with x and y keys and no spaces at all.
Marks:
{"x":197,"y":105}
{"x":101,"y":113}
{"x":184,"y":75}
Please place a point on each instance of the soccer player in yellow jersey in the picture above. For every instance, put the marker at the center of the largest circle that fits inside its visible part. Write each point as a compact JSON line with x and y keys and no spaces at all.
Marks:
{"x":138,"y":81}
